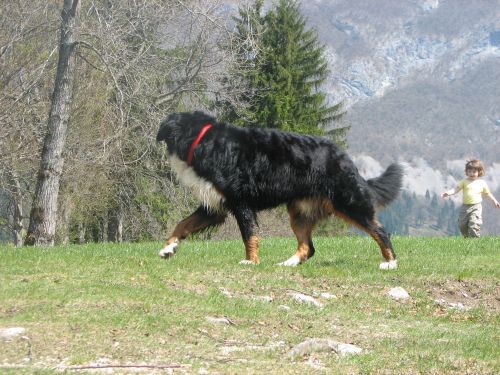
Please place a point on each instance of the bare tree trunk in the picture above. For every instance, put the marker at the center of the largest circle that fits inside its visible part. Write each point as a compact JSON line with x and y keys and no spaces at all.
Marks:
{"x":17,"y":216}
{"x":64,"y":213}
{"x":81,"y":233}
{"x":103,"y":230}
{"x":43,"y":214}
{"x":16,"y":193}
{"x":115,"y":225}
{"x":18,"y":224}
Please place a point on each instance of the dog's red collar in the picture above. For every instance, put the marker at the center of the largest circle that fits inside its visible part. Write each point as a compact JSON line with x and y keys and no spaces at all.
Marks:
{"x":196,"y":141}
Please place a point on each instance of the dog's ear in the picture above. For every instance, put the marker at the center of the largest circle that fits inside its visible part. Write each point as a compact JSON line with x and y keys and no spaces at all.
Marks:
{"x":167,"y":126}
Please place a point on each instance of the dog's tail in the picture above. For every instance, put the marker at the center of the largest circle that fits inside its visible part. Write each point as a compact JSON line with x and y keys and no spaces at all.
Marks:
{"x":387,"y":186}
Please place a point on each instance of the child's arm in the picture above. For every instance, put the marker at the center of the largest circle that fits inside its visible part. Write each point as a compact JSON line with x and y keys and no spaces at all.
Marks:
{"x":495,"y":202}
{"x":447,"y":193}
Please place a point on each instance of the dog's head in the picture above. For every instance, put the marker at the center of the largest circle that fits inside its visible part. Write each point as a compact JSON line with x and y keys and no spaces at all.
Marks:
{"x":182,"y":124}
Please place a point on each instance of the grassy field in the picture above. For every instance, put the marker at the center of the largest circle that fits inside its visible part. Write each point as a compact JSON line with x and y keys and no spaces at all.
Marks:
{"x":117,"y":305}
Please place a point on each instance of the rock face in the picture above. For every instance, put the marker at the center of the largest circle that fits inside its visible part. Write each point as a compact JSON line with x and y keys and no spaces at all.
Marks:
{"x":375,"y":46}
{"x":419,"y":70}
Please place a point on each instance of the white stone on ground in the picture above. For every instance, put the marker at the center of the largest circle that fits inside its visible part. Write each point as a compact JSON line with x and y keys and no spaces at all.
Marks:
{"x":7,"y":333}
{"x":217,"y":320}
{"x":303,"y":298}
{"x":247,"y":262}
{"x":310,"y":346}
{"x":398,"y":293}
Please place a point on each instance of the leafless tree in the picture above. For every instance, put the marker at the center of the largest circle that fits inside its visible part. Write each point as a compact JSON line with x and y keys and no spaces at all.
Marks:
{"x":43,"y":215}
{"x":26,"y":58}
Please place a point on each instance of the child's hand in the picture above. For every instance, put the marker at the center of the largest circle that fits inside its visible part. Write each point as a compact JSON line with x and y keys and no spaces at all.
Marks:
{"x":449,"y":193}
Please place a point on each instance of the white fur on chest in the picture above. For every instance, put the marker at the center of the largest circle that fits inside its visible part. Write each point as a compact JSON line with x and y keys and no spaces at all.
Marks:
{"x":204,"y":190}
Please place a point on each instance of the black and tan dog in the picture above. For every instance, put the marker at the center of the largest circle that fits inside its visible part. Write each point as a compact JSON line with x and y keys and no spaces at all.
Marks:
{"x":245,"y":170}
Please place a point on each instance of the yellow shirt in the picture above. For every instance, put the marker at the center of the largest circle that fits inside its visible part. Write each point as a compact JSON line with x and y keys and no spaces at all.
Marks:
{"x":473,"y":190}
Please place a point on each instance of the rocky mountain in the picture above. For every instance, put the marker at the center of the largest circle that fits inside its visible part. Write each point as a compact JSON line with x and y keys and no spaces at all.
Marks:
{"x":420,"y":82}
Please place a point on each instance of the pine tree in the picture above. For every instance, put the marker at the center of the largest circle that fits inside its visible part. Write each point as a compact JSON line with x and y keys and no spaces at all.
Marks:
{"x":283,"y":70}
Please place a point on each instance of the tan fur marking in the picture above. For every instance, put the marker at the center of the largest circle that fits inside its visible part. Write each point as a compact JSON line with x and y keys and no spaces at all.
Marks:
{"x":171,"y":240}
{"x":328,"y":207}
{"x":303,"y":231}
{"x":185,"y":227}
{"x":252,"y":249}
{"x":191,"y":224}
{"x":386,"y":253}
{"x":313,"y":208}
{"x":302,"y":251}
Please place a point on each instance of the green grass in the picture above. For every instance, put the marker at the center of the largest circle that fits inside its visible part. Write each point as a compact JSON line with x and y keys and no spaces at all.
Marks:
{"x":124,"y":305}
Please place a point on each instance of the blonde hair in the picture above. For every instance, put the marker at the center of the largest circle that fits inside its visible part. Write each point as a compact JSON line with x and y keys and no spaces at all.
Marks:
{"x":475,"y":165}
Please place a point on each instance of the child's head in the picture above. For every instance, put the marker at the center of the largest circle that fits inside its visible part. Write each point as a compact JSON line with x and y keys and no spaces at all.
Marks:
{"x":475,"y":165}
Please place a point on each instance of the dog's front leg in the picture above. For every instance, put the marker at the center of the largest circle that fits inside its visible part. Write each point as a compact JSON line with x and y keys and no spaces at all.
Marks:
{"x":302,"y":225}
{"x":170,"y":247}
{"x":201,"y":219}
{"x":247,"y":222}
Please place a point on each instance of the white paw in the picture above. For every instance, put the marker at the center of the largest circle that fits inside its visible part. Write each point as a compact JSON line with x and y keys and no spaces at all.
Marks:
{"x":391,"y":265}
{"x":247,"y":262}
{"x":169,"y":250}
{"x":292,"y":262}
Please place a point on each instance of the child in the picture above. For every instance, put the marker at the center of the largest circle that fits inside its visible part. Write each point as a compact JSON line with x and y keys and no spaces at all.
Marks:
{"x":470,"y":217}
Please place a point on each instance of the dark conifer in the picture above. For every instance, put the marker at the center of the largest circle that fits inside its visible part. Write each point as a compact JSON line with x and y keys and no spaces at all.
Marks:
{"x":282,"y":67}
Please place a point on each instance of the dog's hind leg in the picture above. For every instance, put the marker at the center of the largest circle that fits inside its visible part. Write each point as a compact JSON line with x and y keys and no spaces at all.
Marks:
{"x":302,"y":224}
{"x":201,"y":219}
{"x":378,"y":233}
{"x":247,"y":222}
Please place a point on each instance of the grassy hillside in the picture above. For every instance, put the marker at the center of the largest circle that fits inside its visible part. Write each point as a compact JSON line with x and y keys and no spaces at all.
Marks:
{"x":202,"y":312}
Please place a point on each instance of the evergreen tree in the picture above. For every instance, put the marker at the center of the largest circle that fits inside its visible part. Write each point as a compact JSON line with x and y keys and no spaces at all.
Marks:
{"x":434,"y":202}
{"x":283,"y":69}
{"x":442,"y":217}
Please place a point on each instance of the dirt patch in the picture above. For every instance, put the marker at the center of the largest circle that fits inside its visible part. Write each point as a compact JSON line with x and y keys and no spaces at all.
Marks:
{"x":471,"y":294}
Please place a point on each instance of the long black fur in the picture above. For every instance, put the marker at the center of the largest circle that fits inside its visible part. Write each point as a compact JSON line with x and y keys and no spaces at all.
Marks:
{"x":256,"y":169}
